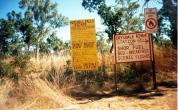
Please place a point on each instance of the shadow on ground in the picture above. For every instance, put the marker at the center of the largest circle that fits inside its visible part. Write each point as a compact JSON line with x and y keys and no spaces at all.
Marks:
{"x":168,"y":84}
{"x":136,"y":93}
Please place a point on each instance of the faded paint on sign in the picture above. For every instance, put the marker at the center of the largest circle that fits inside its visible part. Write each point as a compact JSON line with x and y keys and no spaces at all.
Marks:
{"x":151,"y":23}
{"x":133,"y":47}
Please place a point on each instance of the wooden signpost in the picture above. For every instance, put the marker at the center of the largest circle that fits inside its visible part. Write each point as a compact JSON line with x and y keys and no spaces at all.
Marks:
{"x":151,"y":26}
{"x":131,"y":47}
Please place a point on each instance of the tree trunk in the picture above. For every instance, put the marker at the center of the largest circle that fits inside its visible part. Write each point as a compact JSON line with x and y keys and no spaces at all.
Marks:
{"x":37,"y":52}
{"x":174,"y":37}
{"x":171,"y":10}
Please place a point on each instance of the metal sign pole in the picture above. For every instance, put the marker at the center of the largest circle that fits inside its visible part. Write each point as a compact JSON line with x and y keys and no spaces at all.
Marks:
{"x":115,"y":64}
{"x":153,"y":65}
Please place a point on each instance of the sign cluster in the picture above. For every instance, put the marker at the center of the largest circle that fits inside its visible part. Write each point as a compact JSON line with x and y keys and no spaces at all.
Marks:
{"x":128,"y":47}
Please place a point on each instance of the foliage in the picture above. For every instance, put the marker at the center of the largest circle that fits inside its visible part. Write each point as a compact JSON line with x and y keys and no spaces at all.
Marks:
{"x":7,"y":70}
{"x":102,"y":45}
{"x":119,"y":18}
{"x":10,"y":42}
{"x":128,"y":8}
{"x":20,"y":33}
{"x":68,"y":68}
{"x":92,"y":5}
{"x":130,"y":22}
{"x":45,"y":18}
{"x":21,"y":61}
{"x":128,"y":75}
{"x":100,"y":77}
{"x":15,"y":66}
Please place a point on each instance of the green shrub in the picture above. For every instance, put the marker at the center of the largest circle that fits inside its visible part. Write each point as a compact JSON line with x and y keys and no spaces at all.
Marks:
{"x":99,"y":79}
{"x":68,"y":69}
{"x":128,"y":75}
{"x":7,"y":70}
{"x":16,"y":67}
{"x":21,"y":62}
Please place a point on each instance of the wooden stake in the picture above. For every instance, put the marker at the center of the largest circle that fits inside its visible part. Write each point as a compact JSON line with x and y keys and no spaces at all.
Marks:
{"x":115,"y":63}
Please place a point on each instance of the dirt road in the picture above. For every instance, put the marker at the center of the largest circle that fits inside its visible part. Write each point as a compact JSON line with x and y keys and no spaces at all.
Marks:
{"x":164,"y":99}
{"x":46,"y":98}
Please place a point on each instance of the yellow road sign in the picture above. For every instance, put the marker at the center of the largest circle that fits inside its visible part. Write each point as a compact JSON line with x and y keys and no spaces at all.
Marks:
{"x":83,"y":44}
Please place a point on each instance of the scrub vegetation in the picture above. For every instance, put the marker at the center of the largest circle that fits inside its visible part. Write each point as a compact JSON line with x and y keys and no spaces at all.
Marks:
{"x":36,"y":65}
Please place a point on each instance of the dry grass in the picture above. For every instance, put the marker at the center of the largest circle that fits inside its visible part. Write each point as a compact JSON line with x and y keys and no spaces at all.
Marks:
{"x":47,"y":84}
{"x":46,"y":62}
{"x":166,"y":59}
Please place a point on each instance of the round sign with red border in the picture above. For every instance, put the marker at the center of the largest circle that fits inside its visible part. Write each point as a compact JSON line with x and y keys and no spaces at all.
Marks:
{"x":151,"y":23}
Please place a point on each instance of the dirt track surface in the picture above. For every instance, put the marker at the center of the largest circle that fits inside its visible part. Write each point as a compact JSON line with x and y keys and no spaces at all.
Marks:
{"x":146,"y":101}
{"x":46,"y":98}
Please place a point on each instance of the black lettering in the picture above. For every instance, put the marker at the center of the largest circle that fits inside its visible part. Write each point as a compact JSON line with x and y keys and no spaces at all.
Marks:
{"x":89,"y":65}
{"x":88,"y":44}
{"x":121,"y":53}
{"x":76,"y":45}
{"x":138,"y":47}
{"x":123,"y":47}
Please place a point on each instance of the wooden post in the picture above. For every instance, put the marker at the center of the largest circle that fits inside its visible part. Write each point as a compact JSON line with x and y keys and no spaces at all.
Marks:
{"x":153,"y":65}
{"x":115,"y":63}
{"x":115,"y":76}
{"x":74,"y":77}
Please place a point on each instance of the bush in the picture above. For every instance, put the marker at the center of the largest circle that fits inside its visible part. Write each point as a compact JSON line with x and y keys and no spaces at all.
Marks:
{"x":128,"y":75}
{"x":100,"y":79}
{"x":68,"y":69}
{"x":58,"y":77}
{"x":15,"y":67}
{"x":21,"y":62}
{"x":7,"y":70}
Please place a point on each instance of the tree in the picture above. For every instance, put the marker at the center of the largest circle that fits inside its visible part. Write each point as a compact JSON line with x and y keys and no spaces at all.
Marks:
{"x":27,"y":30}
{"x":102,"y":45}
{"x":45,"y":18}
{"x":130,"y":22}
{"x":23,"y":27}
{"x":119,"y":18}
{"x":92,"y":5}
{"x":169,"y":10}
{"x":5,"y":33}
{"x":55,"y":43}
{"x":10,"y":41}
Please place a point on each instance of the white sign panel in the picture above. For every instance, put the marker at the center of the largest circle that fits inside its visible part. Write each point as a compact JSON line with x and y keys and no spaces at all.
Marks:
{"x":151,"y":23}
{"x":132,"y":47}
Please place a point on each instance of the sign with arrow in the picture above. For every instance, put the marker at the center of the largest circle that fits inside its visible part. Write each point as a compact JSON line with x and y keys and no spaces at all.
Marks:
{"x":151,"y":23}
{"x":132,"y":47}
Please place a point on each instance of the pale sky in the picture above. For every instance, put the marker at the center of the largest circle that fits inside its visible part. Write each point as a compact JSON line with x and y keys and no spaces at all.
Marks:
{"x":74,"y":10}
{"x":71,"y":9}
